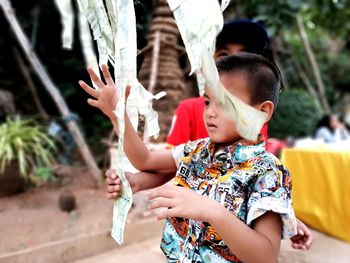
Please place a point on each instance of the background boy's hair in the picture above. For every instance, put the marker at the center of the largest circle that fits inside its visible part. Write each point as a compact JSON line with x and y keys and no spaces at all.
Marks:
{"x":263,"y":76}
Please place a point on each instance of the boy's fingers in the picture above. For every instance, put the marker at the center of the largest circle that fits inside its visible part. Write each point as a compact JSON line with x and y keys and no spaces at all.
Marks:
{"x":308,"y":243}
{"x":99,"y":83}
{"x":110,"y":173}
{"x":93,"y":103}
{"x":162,"y":215}
{"x":111,"y":189}
{"x":161,"y":202}
{"x":88,"y":89}
{"x":110,"y":181}
{"x":107,"y":75}
{"x":168,"y":213}
{"x":160,"y":192}
{"x":112,"y":196}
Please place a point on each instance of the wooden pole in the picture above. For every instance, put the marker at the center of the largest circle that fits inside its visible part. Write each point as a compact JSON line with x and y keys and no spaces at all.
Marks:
{"x":51,"y":88}
{"x":26,"y":74}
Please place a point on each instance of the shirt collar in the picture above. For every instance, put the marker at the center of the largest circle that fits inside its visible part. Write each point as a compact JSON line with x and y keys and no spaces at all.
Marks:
{"x":242,"y":150}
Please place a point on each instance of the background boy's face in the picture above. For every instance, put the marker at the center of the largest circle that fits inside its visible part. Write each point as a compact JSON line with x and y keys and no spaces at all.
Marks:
{"x":228,"y":49}
{"x":220,"y":126}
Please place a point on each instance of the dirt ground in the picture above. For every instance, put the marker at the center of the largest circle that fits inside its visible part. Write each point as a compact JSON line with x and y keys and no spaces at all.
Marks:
{"x":33,"y":218}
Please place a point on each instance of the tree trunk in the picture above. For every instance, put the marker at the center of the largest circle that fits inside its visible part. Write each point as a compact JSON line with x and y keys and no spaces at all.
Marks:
{"x":51,"y":88}
{"x":311,"y":57}
{"x":299,"y":69}
{"x":25,"y":72}
{"x":304,"y":78}
{"x":275,"y":46}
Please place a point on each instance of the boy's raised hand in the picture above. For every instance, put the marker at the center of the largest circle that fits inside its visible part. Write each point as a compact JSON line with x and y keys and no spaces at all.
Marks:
{"x":181,"y":202}
{"x":107,"y":96}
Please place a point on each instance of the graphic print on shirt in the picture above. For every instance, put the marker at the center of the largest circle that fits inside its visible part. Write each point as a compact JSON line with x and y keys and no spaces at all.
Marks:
{"x":237,"y":177}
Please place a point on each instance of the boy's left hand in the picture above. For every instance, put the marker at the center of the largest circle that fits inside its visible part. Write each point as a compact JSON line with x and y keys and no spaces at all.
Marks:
{"x":181,"y":202}
{"x":303,"y":239}
{"x":107,"y":96}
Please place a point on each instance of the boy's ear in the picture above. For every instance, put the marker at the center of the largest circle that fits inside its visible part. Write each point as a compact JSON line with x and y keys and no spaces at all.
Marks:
{"x":268,"y":107}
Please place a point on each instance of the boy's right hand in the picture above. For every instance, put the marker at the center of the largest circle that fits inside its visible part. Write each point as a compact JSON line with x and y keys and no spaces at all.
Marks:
{"x":114,"y":183}
{"x":107,"y":95}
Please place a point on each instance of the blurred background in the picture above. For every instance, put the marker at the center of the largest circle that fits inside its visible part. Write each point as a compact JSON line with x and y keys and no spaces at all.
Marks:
{"x":54,"y":148}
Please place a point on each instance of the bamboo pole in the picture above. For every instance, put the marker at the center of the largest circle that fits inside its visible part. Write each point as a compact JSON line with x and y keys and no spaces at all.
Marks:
{"x":51,"y":88}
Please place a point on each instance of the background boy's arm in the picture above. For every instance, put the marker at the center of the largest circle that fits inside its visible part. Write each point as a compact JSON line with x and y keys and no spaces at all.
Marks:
{"x":138,"y":181}
{"x":260,"y":244}
{"x":303,"y":239}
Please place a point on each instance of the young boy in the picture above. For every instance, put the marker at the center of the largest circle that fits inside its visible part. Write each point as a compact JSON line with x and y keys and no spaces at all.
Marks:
{"x":236,"y":36}
{"x":231,"y":195}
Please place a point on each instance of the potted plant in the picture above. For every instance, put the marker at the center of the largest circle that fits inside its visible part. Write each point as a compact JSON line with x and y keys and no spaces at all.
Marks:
{"x":24,"y":147}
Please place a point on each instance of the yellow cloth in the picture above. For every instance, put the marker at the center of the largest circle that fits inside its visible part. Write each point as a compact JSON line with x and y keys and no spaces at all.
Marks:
{"x":321,"y":188}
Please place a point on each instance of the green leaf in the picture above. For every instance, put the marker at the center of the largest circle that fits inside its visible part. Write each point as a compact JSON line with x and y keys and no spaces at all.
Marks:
{"x":25,"y":142}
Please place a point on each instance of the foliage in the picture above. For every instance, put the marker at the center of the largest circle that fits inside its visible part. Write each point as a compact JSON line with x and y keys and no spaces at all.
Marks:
{"x":327,"y":24}
{"x":25,"y":142}
{"x":44,"y":173}
{"x":296,"y":115}
{"x":274,"y":14}
{"x":331,"y":15}
{"x":331,"y":56}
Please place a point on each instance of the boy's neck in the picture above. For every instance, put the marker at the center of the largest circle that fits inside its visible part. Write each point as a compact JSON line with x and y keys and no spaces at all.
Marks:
{"x":220,"y":146}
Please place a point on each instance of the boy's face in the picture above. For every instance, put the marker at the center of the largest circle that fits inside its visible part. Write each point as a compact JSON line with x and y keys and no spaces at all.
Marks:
{"x":228,"y":49}
{"x":220,"y":126}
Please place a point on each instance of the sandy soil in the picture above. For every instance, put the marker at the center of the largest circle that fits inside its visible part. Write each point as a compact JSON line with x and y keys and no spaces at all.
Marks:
{"x":34,"y":217}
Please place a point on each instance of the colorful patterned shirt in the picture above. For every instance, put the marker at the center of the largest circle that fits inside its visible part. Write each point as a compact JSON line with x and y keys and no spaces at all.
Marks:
{"x":245,"y":178}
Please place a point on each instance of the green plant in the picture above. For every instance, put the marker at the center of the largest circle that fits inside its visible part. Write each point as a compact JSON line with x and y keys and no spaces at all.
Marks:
{"x":24,"y":142}
{"x":296,"y":115}
{"x":44,"y":173}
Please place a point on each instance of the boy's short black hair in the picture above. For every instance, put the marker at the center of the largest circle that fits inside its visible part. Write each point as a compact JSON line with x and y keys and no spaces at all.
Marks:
{"x":263,"y":76}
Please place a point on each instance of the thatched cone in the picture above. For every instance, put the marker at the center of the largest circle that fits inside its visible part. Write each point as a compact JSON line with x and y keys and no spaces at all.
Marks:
{"x":169,"y":76}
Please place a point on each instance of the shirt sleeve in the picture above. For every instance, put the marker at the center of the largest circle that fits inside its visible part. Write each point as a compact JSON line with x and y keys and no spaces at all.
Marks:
{"x":180,"y":131}
{"x":178,"y":153}
{"x":272,"y":192}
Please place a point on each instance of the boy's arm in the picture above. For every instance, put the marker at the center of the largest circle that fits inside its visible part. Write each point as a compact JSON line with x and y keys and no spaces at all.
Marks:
{"x":106,"y":99}
{"x":138,"y":181}
{"x":141,"y":157}
{"x":260,"y":244}
{"x":265,"y":237}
